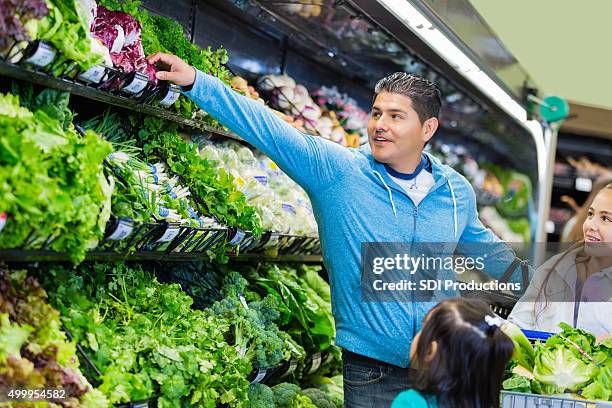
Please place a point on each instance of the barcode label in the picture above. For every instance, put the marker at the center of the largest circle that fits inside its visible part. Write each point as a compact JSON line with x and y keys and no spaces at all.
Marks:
{"x":123,"y":230}
{"x":93,"y":74}
{"x":237,"y":238}
{"x":42,"y":57}
{"x":170,"y":98}
{"x":171,"y":232}
{"x":136,"y":86}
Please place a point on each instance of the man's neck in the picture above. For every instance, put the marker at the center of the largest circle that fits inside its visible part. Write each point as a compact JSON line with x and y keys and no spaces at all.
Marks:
{"x":408,"y":165}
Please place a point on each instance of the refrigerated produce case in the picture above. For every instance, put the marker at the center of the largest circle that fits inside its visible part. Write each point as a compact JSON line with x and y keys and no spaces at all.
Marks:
{"x":341,"y":45}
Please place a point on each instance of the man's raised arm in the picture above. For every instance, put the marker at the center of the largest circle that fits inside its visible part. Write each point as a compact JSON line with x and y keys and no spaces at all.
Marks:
{"x":311,"y":161}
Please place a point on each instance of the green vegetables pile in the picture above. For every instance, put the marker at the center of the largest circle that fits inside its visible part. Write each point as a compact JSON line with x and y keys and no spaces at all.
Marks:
{"x":569,"y":361}
{"x":166,"y":35}
{"x":51,"y":182}
{"x":146,"y":339}
{"x":34,"y":352}
{"x":212,"y":185}
{"x":253,"y":329}
{"x":304,"y":302}
{"x":65,"y":27}
{"x":286,"y":395}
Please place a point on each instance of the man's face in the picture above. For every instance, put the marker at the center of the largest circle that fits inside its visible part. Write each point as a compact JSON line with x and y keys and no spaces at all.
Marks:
{"x":395,"y":131}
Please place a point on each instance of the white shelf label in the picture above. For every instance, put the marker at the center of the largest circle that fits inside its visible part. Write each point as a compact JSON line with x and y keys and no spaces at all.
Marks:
{"x":171,"y":232}
{"x":171,"y":97}
{"x":2,"y":220}
{"x":237,"y":238}
{"x":123,"y":230}
{"x":42,"y":57}
{"x":93,"y":74}
{"x":584,"y":184}
{"x":273,"y":241}
{"x":261,"y":374}
{"x":292,"y":366}
{"x":136,"y":86}
{"x":316,"y":363}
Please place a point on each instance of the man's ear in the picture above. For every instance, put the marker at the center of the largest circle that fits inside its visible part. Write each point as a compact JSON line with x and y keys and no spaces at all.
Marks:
{"x":429,"y":128}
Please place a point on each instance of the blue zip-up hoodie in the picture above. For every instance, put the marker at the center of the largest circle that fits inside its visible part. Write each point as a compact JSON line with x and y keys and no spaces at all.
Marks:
{"x":354,"y":202}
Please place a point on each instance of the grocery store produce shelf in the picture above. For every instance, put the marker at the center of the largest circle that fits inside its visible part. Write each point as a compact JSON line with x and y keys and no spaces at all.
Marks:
{"x":27,"y":74}
{"x":20,"y":256}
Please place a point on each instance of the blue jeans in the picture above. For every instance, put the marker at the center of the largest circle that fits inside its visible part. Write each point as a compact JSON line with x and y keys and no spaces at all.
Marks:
{"x":370,"y":383}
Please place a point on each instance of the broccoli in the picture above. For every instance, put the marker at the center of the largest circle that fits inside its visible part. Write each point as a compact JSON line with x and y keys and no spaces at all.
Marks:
{"x":260,"y":396}
{"x":318,"y":398}
{"x":284,"y":394}
{"x":253,"y":332}
{"x":302,"y":401}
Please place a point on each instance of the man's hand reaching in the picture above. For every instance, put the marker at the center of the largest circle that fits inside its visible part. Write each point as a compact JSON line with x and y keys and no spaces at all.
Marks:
{"x":172,"y":68}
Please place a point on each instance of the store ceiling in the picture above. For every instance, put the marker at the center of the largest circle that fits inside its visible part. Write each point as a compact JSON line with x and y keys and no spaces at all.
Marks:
{"x":564,"y":48}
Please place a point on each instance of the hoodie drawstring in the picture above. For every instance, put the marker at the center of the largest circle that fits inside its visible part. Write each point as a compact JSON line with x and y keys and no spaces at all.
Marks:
{"x":388,"y":191}
{"x":452,"y":195}
{"x":454,"y":205}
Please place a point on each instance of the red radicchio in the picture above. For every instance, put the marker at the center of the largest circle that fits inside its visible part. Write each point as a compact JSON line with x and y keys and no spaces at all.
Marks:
{"x":120,"y":33}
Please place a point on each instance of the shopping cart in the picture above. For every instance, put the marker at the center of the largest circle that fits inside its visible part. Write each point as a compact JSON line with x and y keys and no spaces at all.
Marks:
{"x":520,"y":400}
{"x":511,"y":399}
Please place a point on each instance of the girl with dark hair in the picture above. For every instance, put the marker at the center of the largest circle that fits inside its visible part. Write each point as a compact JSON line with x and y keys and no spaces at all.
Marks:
{"x":458,"y":358}
{"x":575,"y":286}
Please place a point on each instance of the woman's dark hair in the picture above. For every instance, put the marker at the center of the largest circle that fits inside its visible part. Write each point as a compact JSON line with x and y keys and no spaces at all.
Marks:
{"x":468,"y":366}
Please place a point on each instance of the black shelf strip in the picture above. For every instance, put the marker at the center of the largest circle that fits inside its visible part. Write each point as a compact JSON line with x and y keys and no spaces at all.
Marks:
{"x":26,"y":74}
{"x":50,"y":256}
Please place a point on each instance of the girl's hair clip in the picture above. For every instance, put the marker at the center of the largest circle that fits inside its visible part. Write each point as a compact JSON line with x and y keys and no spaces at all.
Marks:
{"x":494,"y":320}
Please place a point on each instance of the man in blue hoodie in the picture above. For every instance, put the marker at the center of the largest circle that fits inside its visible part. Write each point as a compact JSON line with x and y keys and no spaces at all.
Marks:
{"x":389,"y":191}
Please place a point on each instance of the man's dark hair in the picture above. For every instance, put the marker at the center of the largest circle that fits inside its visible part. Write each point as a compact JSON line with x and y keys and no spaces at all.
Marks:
{"x":468,"y":366}
{"x":424,"y":94}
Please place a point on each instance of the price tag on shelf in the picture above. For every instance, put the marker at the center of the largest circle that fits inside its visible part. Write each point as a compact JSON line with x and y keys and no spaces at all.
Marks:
{"x":273,"y":241}
{"x":584,"y":184}
{"x":123,"y":230}
{"x":261,"y":374}
{"x":2,"y":220}
{"x":316,"y":363}
{"x":171,"y":97}
{"x":137,"y":84}
{"x":292,"y":366}
{"x":42,"y":56}
{"x":238,"y":237}
{"x":171,"y":232}
{"x":93,"y":74}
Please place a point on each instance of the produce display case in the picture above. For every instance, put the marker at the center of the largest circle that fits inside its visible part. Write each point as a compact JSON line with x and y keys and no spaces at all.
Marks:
{"x":522,"y":400}
{"x":348,"y":45}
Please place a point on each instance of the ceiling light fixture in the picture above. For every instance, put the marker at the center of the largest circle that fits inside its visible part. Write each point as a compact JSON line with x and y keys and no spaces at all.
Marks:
{"x":420,"y":25}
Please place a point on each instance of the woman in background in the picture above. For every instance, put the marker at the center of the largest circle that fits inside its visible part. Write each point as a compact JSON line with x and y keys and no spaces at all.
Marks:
{"x":575,"y":286}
